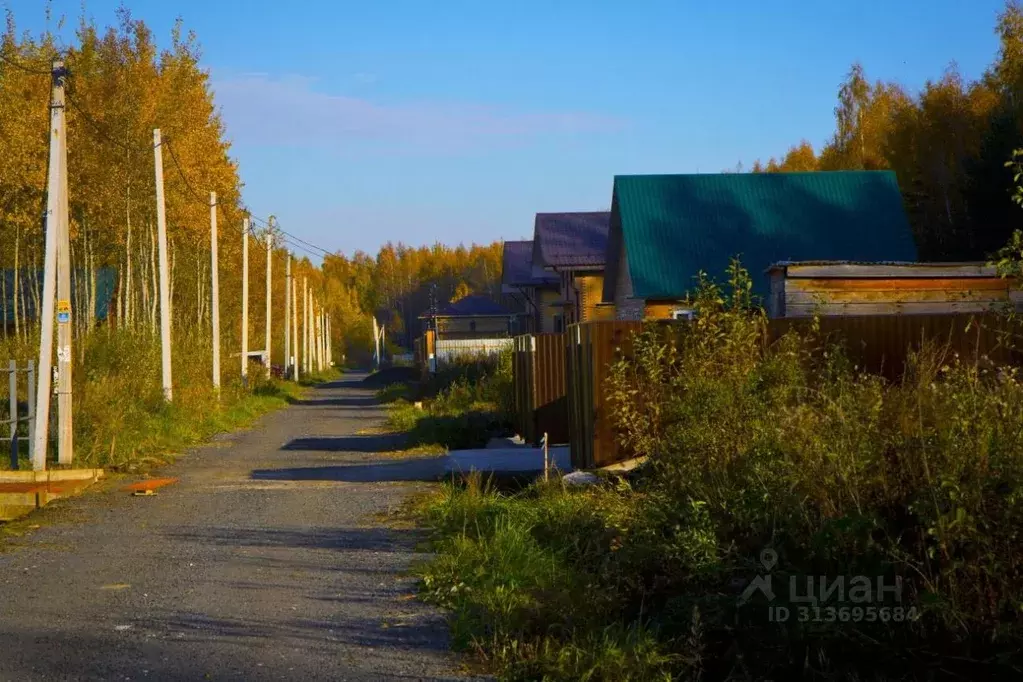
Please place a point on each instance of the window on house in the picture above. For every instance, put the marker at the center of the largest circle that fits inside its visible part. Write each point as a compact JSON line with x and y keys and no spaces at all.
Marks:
{"x":559,"y":324}
{"x":472,"y":325}
{"x":683,"y":314}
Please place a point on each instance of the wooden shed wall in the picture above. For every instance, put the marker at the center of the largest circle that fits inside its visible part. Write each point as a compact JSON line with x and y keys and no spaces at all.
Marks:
{"x":831,"y":296}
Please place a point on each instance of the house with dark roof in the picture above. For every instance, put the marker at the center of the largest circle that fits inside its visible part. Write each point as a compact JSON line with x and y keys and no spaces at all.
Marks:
{"x":471,"y":317}
{"x":666,"y":229}
{"x":573,"y":246}
{"x":529,"y":293}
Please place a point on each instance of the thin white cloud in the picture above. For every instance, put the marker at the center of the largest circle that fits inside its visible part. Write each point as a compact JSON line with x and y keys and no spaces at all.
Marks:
{"x":365,"y":78}
{"x":260,"y":110}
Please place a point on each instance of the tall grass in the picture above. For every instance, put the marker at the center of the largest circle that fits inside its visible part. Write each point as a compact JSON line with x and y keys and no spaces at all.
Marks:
{"x":464,"y":404}
{"x":787,"y":448}
{"x":121,"y":421}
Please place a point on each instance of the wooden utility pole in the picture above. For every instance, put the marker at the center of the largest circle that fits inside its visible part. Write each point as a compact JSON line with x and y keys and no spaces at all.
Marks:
{"x":65,"y":330}
{"x":288,"y":372}
{"x":269,"y":300}
{"x":330,"y":355}
{"x":294,"y":325}
{"x":54,"y":214}
{"x":305,"y":325}
{"x":161,"y":235}
{"x":245,"y":301}
{"x":215,"y":290}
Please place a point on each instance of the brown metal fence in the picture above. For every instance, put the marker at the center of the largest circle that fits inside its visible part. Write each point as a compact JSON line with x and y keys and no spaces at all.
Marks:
{"x":879,"y":344}
{"x":590,"y":347}
{"x":882,"y":344}
{"x":539,"y":379}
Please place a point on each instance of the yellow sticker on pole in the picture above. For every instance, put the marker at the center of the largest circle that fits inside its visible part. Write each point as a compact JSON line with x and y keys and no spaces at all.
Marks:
{"x":63,"y":311}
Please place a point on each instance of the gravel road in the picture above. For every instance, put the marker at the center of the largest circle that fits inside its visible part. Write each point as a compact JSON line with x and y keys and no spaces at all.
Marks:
{"x":246,"y":569}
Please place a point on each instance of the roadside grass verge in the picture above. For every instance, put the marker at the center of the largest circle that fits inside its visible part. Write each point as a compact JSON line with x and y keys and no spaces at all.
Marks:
{"x":122,"y":422}
{"x":522,"y":574}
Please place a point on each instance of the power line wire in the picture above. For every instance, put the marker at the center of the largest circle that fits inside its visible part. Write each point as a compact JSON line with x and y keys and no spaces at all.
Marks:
{"x":166,"y":142}
{"x":98,"y":127}
{"x":27,"y":69}
{"x":294,"y":237}
{"x":302,"y":248}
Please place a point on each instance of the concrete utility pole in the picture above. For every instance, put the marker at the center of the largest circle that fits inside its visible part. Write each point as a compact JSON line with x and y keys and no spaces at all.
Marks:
{"x":269,"y":300}
{"x":215,"y":290}
{"x":245,"y":302}
{"x":294,"y":325}
{"x":305,"y":325}
{"x":54,"y":214}
{"x":161,"y":235}
{"x":319,"y":337}
{"x":313,"y":348}
{"x":65,"y":330}
{"x":288,"y":372}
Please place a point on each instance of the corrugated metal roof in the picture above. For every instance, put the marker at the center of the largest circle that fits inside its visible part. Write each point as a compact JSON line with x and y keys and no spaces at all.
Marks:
{"x":517,"y":267}
{"x":893,"y":263}
{"x":674,"y":226}
{"x":571,"y":239}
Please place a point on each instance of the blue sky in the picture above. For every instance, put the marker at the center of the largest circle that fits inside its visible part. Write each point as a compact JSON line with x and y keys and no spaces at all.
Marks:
{"x":456,"y":120}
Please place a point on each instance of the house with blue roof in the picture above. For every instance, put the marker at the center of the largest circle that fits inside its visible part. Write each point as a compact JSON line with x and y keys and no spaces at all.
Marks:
{"x":471,"y":317}
{"x":667,"y":229}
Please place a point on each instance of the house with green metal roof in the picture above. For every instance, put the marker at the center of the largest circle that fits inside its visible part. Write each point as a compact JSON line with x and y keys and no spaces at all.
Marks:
{"x":666,"y":229}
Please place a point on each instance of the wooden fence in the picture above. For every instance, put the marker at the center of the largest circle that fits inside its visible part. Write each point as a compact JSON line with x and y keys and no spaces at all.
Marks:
{"x":541,"y":405}
{"x":876,"y":343}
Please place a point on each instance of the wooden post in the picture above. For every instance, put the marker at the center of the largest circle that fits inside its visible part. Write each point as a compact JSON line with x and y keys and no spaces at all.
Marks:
{"x":215,"y":290}
{"x":12,"y":387}
{"x":269,"y":298}
{"x":288,"y":372}
{"x":245,"y":301}
{"x":294,"y":326}
{"x":65,"y":330}
{"x":161,"y":229}
{"x":45,"y":310}
{"x":546,"y":460}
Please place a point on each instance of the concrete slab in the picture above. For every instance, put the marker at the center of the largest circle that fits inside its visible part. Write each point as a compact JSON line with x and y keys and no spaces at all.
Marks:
{"x":506,"y":461}
{"x":22,"y":492}
{"x":506,"y":443}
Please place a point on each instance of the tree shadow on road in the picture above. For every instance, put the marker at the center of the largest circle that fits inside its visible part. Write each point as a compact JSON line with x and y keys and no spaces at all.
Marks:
{"x":419,"y":469}
{"x":383,"y":442}
{"x":346,"y":401}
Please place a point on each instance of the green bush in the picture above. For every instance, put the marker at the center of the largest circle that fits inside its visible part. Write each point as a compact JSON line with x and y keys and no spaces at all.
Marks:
{"x":786,"y":447}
